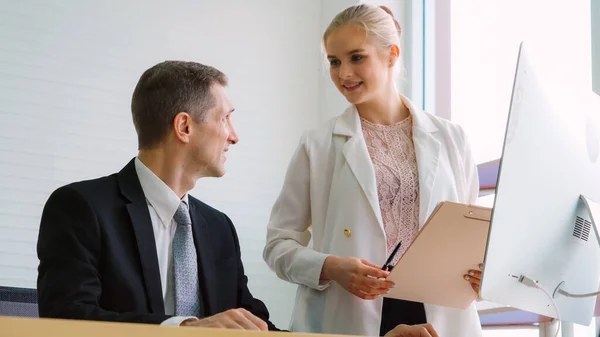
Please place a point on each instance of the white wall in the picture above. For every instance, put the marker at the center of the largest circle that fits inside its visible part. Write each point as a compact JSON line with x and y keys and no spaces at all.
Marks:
{"x":411,"y":19}
{"x":595,"y":24}
{"x":67,"y":71}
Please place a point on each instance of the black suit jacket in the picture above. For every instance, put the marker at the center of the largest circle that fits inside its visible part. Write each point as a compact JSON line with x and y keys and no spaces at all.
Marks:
{"x":98,"y":257}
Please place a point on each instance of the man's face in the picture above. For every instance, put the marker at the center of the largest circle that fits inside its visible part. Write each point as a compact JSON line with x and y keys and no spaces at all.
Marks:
{"x":211,"y":138}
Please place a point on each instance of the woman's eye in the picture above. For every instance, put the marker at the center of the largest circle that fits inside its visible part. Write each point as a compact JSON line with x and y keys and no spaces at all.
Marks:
{"x":334,"y":63}
{"x":356,"y":58}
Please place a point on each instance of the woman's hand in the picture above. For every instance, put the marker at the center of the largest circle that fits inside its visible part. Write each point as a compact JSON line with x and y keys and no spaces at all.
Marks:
{"x":474,"y":277}
{"x":359,"y":277}
{"x":421,"y":330}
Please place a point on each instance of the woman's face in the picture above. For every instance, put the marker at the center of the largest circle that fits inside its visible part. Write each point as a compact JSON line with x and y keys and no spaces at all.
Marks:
{"x":360,"y":70}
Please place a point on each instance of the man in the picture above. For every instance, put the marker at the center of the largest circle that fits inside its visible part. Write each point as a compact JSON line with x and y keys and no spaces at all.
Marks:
{"x":134,"y":246}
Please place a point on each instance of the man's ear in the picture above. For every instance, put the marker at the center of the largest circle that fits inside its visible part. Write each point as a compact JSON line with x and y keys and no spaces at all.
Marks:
{"x":181,"y":126}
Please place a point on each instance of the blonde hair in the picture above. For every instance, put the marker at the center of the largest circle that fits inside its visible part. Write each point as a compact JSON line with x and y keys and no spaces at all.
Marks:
{"x":378,"y":22}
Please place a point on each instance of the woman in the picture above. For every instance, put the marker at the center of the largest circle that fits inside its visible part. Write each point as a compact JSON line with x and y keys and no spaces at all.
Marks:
{"x":361,"y":183}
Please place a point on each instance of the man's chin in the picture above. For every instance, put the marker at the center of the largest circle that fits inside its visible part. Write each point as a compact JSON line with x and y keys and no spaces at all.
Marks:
{"x":218,"y":172}
{"x":212,"y":172}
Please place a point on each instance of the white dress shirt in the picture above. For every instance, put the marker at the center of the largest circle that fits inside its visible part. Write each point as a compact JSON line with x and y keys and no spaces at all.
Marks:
{"x":162,"y":204}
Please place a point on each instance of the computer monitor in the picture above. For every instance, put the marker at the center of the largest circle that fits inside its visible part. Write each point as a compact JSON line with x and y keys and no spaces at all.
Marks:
{"x":540,"y":228}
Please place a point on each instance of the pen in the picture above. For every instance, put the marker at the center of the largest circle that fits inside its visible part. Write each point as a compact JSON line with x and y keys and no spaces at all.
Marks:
{"x":387,"y":266}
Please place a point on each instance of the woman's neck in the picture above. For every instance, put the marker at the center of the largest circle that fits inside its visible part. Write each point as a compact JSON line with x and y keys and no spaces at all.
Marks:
{"x":387,"y":109}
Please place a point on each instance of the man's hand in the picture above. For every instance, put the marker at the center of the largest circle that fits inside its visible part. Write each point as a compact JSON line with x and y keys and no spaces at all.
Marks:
{"x":421,"y":330}
{"x":230,"y":319}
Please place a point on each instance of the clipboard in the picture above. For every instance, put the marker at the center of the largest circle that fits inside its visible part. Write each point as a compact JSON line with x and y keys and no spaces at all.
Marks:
{"x":452,"y":241}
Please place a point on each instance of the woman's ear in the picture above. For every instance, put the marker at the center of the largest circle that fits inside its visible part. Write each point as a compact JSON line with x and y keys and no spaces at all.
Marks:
{"x":394,"y":54}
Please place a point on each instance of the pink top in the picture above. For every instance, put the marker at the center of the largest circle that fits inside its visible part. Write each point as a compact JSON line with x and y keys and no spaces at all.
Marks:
{"x":393,"y":155}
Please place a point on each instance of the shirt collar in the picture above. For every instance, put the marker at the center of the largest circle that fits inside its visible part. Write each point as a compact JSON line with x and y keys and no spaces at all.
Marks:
{"x":158,"y":194}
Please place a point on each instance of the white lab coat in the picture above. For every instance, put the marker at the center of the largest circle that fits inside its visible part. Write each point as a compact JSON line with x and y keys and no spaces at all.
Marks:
{"x":329,"y":187}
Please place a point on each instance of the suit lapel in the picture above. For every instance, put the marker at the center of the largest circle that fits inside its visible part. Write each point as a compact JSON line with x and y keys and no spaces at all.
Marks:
{"x":144,"y":235}
{"x":357,"y":156}
{"x":202,"y":240}
{"x":427,"y":151}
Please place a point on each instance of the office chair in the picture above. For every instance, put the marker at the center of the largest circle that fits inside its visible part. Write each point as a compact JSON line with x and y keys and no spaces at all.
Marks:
{"x":20,"y":302}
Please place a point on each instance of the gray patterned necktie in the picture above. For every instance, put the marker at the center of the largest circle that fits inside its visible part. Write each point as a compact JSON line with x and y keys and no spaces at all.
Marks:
{"x":185,"y":265}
